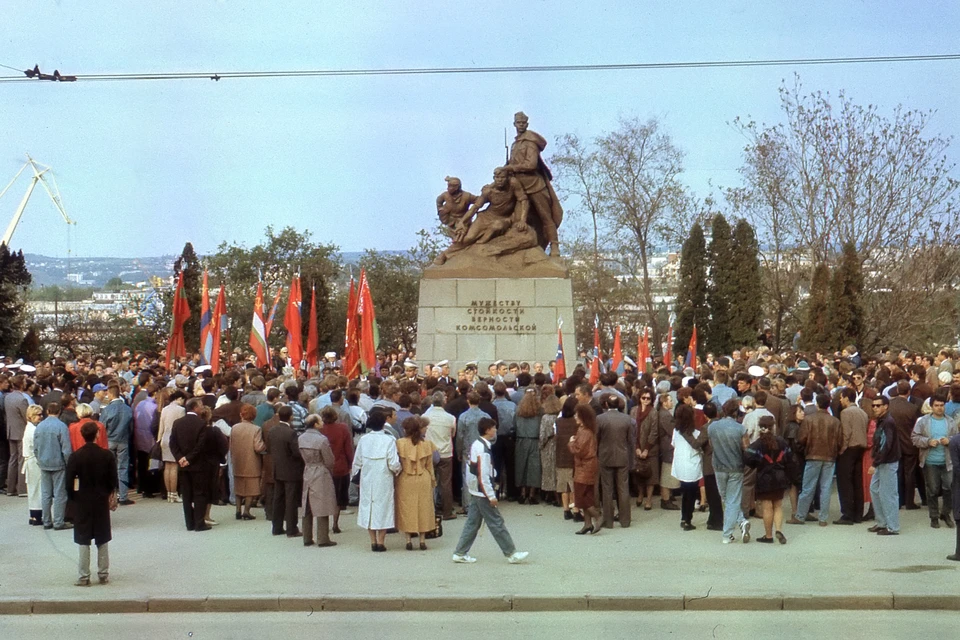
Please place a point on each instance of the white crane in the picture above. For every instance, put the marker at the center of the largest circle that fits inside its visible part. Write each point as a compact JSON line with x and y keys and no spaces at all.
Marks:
{"x":40,"y":174}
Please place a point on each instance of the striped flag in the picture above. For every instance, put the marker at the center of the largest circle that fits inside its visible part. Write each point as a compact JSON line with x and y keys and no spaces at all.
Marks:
{"x":560,"y":366}
{"x":206,"y":327}
{"x":273,"y":311}
{"x":258,"y":330}
{"x":293,"y":323}
{"x":691,"y":360}
{"x":218,"y":327}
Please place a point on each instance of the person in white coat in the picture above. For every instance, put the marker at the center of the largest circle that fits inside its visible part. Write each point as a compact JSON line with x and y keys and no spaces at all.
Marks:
{"x":31,"y":470}
{"x":376,"y":461}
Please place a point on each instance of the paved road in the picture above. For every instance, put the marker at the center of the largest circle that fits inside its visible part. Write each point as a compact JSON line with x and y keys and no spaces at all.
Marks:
{"x":783,"y":625}
{"x":153,"y":555}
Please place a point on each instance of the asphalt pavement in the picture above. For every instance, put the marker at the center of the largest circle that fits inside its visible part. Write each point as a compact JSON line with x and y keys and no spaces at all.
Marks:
{"x":156,"y":565}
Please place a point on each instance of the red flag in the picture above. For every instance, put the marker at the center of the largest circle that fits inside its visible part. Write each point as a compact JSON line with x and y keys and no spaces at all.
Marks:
{"x":313,"y":344}
{"x":617,"y":364}
{"x":595,"y":362}
{"x":369,"y":333}
{"x":292,"y":322}
{"x":181,"y":311}
{"x":643,"y":352}
{"x":219,"y":325}
{"x":351,"y":342}
{"x":258,"y":330}
{"x":668,"y":356}
{"x":692,"y":349}
{"x":560,"y":365}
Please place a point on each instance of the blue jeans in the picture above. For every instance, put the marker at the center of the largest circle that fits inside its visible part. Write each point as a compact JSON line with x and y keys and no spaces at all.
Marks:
{"x":730,"y":486}
{"x":119,"y":449}
{"x":816,"y":472}
{"x":481,"y":511}
{"x":53,"y":493}
{"x":886,"y":495}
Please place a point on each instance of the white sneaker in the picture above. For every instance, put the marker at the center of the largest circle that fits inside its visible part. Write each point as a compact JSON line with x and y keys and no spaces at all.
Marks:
{"x":464,"y":559}
{"x":745,"y":531}
{"x":728,"y":539}
{"x":211,"y":523}
{"x":518,"y":557}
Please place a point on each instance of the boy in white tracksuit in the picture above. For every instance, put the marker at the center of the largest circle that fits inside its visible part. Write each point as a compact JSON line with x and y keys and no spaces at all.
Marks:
{"x":483,"y":507}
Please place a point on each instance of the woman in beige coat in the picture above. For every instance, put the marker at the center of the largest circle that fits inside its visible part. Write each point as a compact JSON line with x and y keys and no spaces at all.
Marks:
{"x":319,"y":497}
{"x":246,"y":445}
{"x":415,"y":510}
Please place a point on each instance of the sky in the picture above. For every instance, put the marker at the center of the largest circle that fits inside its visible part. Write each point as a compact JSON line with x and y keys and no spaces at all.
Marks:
{"x":144,"y":167}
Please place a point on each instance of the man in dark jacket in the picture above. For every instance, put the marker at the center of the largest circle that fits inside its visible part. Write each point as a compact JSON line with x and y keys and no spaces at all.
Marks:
{"x":91,"y":486}
{"x":190,"y":444}
{"x":616,"y":442}
{"x":905,"y":414}
{"x":886,"y":459}
{"x":283,"y":445}
{"x":820,"y":437}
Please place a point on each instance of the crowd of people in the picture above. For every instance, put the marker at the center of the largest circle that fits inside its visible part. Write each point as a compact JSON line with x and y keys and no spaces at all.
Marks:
{"x":410,"y":446}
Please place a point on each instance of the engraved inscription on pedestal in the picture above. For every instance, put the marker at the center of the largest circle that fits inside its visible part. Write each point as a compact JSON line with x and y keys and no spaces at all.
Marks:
{"x":488,"y":319}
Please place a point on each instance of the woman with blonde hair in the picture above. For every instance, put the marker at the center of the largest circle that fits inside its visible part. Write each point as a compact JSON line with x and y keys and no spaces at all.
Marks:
{"x":31,"y":470}
{"x":527,"y":457}
{"x":85,"y":414}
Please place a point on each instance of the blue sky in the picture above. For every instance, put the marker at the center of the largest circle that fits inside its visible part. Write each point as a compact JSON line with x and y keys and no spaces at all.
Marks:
{"x":145,"y":166}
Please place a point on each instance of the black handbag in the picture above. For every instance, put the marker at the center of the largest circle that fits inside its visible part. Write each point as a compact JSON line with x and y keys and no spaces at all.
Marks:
{"x":156,"y":452}
{"x":437,"y":531}
{"x":643,"y":469}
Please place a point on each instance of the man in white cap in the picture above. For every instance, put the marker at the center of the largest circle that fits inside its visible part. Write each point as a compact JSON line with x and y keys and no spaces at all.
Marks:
{"x":444,"y":376}
{"x":410,"y":371}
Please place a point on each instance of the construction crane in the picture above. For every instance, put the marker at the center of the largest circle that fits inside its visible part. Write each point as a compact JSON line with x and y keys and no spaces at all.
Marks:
{"x":41,"y":173}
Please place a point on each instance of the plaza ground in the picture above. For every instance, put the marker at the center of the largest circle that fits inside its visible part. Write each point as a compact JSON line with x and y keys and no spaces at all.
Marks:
{"x":157,"y":565}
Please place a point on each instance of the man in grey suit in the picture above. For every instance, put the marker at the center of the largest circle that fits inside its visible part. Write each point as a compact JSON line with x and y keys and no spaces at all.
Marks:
{"x":616,"y":441}
{"x":15,"y":410}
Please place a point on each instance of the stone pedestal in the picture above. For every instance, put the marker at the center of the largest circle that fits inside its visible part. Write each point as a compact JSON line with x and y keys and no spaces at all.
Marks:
{"x":489,"y":319}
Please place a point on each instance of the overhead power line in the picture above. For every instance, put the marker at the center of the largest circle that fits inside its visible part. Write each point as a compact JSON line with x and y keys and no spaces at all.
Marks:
{"x":308,"y":73}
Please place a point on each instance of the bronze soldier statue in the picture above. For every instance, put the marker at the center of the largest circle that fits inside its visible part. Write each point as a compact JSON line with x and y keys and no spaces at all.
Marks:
{"x":534,"y":176}
{"x":452,"y":204}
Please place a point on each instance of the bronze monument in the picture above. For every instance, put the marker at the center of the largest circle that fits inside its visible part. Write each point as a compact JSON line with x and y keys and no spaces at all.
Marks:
{"x":504,"y":231}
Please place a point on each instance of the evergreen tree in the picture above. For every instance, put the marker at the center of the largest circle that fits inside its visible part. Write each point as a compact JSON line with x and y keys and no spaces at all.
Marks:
{"x":815,"y":332}
{"x":844,"y":310}
{"x":14,"y":281}
{"x":189,"y":264}
{"x":691,"y":304}
{"x":746,"y":309}
{"x":722,"y":289}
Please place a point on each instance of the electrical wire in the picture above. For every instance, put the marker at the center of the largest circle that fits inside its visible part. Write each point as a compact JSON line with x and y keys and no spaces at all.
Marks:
{"x":707,"y":64}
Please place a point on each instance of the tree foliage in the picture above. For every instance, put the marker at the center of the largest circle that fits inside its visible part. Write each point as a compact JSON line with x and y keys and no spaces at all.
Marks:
{"x":815,"y":335}
{"x":844,"y":311}
{"x":625,"y":201}
{"x":835,"y":170}
{"x":691,"y":306}
{"x":14,"y":283}
{"x":747,"y":313}
{"x":189,"y":264}
{"x":722,"y":290}
{"x":277,"y":257}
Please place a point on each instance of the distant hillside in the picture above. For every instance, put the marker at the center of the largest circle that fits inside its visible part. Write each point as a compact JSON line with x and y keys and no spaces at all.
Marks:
{"x":95,"y":272}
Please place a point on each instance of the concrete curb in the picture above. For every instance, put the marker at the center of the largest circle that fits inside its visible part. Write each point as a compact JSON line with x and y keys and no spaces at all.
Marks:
{"x":447,"y":602}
